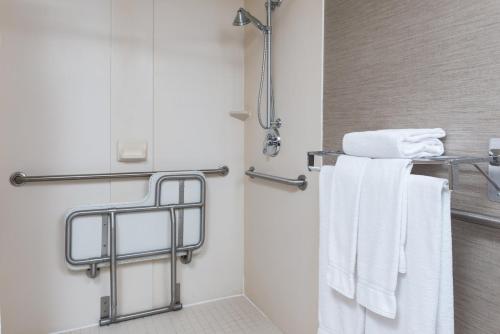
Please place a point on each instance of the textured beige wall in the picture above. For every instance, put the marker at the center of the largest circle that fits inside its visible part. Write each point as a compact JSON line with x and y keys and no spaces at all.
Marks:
{"x":392,"y":63}
{"x":281,"y":224}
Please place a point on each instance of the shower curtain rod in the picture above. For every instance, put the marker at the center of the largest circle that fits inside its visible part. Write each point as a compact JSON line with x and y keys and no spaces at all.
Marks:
{"x":20,"y":178}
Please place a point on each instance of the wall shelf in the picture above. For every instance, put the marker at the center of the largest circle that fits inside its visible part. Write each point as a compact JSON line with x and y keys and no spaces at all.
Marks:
{"x":240,"y":115}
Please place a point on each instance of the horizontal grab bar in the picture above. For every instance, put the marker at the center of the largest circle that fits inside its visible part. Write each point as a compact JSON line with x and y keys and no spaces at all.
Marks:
{"x":20,"y":178}
{"x":476,"y":218}
{"x":300,"y":182}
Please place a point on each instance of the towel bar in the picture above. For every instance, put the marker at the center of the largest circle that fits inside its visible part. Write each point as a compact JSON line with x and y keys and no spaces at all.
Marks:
{"x":300,"y":182}
{"x":20,"y":178}
{"x":476,"y":218}
{"x":453,"y":163}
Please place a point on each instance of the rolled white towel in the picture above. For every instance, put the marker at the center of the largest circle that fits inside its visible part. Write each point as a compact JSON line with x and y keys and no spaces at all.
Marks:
{"x":395,"y":143}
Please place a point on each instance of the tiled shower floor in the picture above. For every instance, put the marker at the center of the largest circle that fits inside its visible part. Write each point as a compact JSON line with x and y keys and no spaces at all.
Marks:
{"x":234,"y":315}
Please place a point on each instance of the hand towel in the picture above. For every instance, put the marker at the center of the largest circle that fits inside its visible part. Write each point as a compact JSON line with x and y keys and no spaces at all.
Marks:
{"x":382,"y":234}
{"x":337,"y":314}
{"x":395,"y":143}
{"x":425,"y":292}
{"x":343,"y":223}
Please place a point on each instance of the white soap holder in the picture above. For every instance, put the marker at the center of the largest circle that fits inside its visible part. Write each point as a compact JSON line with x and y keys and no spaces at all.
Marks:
{"x":132,"y":151}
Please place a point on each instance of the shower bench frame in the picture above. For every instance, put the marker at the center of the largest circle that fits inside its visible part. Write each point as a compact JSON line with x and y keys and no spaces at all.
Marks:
{"x":109,"y":304}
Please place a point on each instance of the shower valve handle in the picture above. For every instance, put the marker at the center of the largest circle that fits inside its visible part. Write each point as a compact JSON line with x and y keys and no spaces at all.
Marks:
{"x":277,"y":123}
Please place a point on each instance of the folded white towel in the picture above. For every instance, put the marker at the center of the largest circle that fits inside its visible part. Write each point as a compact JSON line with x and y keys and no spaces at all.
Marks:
{"x":343,"y":223}
{"x":395,"y":143}
{"x":337,"y":314}
{"x":382,"y":233}
{"x":425,"y":293}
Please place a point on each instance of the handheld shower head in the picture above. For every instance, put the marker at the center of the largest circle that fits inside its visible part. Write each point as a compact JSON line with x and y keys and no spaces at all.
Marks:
{"x":241,"y":19}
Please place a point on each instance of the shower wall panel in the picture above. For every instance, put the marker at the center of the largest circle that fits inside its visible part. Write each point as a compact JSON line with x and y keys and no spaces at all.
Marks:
{"x":78,"y":76}
{"x":281,"y":222}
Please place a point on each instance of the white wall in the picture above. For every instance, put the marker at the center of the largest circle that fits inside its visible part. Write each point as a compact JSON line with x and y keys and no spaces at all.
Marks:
{"x":76,"y":77}
{"x":199,"y":66}
{"x":281,"y":225}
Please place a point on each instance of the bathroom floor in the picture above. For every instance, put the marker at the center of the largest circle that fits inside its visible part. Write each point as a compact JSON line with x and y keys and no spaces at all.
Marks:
{"x":234,"y":315}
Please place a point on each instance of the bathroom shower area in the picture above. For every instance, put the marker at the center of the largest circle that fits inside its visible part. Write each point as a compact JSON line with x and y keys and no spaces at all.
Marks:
{"x":163,"y":165}
{"x":119,"y":87}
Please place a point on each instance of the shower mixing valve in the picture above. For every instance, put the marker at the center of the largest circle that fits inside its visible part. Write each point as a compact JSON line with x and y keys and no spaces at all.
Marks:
{"x":272,"y":143}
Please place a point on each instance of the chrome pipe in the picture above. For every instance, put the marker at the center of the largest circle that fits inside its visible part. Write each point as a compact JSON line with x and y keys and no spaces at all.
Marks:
{"x":488,"y":177}
{"x":112,"y":267}
{"x":141,"y":314}
{"x":130,"y":256}
{"x":475,"y":218}
{"x":173,"y":259}
{"x":300,"y":182}
{"x":20,"y":178}
{"x":269,"y":33}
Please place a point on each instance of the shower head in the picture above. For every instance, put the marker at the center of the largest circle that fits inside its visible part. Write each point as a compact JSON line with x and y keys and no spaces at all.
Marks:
{"x":243,"y":17}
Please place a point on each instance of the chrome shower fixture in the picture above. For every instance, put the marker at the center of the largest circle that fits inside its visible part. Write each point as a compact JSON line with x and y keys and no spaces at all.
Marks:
{"x":243,"y":18}
{"x":272,"y":141}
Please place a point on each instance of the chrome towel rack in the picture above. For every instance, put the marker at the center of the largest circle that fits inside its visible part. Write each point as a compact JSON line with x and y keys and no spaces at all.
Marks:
{"x":453,"y":164}
{"x":300,"y":182}
{"x":20,"y":178}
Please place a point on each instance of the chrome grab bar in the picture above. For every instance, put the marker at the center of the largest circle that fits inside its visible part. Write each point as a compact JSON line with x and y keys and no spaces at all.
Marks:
{"x":475,"y":218}
{"x":20,"y":178}
{"x":300,"y":182}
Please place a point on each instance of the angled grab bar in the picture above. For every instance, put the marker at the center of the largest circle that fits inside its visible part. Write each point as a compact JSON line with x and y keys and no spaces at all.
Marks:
{"x":300,"y":182}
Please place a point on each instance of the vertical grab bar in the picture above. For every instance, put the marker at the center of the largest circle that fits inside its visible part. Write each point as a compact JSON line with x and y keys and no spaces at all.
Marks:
{"x":173,"y":259}
{"x":112,"y":268}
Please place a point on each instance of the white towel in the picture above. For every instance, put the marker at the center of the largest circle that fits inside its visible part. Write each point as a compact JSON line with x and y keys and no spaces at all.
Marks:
{"x":382,"y":234}
{"x":425,"y":293}
{"x":343,"y":224}
{"x":337,"y":314}
{"x":396,"y":143}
